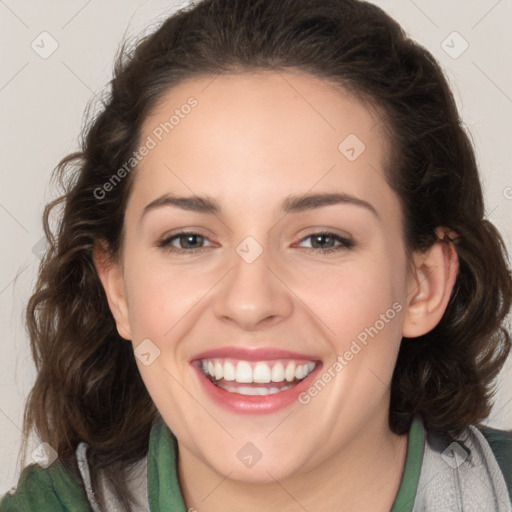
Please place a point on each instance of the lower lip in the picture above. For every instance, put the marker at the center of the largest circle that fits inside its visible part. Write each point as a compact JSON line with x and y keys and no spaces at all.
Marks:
{"x":255,"y":404}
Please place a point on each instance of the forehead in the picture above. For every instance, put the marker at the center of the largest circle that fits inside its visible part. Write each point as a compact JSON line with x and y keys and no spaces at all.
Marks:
{"x":265,"y":132}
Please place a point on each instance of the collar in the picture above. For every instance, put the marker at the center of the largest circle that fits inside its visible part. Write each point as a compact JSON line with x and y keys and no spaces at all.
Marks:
{"x":164,"y":493}
{"x":406,"y":495}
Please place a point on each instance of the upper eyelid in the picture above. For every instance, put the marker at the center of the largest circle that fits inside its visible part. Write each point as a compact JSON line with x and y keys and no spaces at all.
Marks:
{"x":340,"y":238}
{"x":184,"y":233}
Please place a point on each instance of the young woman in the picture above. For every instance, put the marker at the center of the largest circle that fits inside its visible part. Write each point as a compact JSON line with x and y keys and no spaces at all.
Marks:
{"x":272,"y":286}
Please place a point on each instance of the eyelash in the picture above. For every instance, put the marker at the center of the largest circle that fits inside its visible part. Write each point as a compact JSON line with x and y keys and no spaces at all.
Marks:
{"x":345,"y":243}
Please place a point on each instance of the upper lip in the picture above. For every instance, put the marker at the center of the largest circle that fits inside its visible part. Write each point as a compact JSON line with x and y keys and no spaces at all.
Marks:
{"x":252,"y":354}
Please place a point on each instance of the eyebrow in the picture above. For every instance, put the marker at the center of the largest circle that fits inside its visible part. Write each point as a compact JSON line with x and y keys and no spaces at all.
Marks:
{"x":292,"y":204}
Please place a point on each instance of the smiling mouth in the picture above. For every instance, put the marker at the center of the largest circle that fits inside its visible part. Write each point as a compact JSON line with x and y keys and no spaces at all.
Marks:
{"x":255,"y":377}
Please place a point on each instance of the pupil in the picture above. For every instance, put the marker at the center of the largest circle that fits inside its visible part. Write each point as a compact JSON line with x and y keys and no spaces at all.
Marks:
{"x":319,"y":238}
{"x":190,"y":239}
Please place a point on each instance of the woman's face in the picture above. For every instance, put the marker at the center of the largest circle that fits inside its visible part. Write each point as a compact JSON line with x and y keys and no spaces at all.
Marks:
{"x":264,"y":297}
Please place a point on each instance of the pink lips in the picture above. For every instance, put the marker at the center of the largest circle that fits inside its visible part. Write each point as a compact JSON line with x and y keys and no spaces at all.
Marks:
{"x":250,"y":404}
{"x":253,"y":354}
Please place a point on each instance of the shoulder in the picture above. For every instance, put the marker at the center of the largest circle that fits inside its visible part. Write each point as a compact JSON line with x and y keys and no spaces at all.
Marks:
{"x":53,"y":489}
{"x":471,"y":467}
{"x":500,"y":442}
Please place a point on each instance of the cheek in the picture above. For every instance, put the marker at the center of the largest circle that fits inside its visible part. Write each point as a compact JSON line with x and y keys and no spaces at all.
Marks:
{"x":160,"y":294}
{"x":351,"y":296}
{"x":364,"y":311}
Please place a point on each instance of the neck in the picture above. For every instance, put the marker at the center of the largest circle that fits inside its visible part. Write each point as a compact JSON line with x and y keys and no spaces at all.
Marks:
{"x":365,"y":474}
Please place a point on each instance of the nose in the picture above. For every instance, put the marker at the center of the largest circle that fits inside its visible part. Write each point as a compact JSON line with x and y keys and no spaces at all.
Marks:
{"x":254,"y":293}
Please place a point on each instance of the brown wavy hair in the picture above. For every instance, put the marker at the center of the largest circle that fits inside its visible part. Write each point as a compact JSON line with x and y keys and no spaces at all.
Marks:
{"x":88,"y":387}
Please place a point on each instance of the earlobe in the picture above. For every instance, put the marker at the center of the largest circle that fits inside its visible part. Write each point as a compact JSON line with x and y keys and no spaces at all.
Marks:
{"x":432,"y":280}
{"x":111,"y":277}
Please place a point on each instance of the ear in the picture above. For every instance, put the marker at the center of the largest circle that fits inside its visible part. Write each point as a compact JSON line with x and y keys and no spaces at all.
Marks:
{"x":111,"y":277}
{"x":432,"y":280}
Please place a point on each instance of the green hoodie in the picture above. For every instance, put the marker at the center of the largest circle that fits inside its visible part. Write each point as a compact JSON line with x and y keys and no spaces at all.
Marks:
{"x":55,"y":490}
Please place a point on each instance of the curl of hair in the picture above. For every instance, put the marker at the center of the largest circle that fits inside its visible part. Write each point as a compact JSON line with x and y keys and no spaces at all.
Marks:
{"x":88,"y":387}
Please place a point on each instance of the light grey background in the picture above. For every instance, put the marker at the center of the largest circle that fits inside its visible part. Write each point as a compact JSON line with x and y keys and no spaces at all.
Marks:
{"x":42,"y":101}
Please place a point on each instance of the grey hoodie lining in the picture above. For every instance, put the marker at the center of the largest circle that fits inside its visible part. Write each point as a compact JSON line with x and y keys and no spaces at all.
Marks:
{"x":460,"y":475}
{"x":83,"y":466}
{"x":138,"y":482}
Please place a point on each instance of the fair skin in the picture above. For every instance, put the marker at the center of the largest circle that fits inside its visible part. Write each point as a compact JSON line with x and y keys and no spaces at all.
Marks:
{"x":253,"y":140}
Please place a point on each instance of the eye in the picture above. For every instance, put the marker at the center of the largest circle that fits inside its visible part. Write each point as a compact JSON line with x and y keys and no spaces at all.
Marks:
{"x":188,"y":239}
{"x":328,"y":239}
{"x":191,"y":242}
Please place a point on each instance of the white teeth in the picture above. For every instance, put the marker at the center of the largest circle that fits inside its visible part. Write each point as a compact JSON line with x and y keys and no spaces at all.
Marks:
{"x":289,"y":373}
{"x":229,"y":371}
{"x":278,"y":372}
{"x":246,"y":390}
{"x":303,"y":370}
{"x":243,"y":372}
{"x":218,"y":370}
{"x":261,"y":372}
